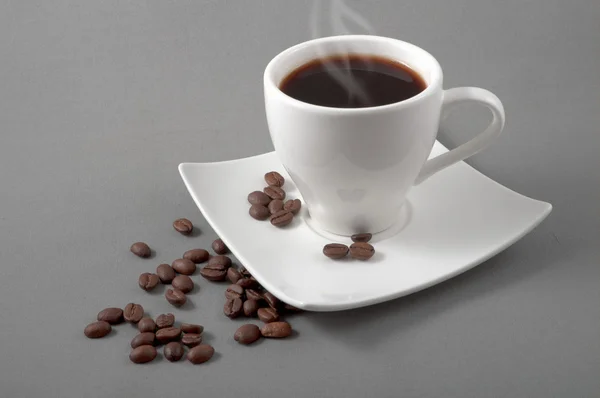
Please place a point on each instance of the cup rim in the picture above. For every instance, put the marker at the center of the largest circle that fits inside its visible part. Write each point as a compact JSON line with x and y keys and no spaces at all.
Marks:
{"x":271,"y":85}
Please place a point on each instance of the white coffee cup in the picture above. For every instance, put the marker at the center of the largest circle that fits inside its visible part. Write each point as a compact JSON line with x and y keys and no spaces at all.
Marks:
{"x":354,"y":166}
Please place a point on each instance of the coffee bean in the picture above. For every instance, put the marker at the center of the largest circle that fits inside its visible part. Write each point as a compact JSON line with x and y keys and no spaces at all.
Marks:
{"x":191,"y":339}
{"x":183,"y":266}
{"x":293,"y":205}
{"x":165,"y":320}
{"x":146,"y":338}
{"x":214,"y":273}
{"x":274,"y":192}
{"x":275,"y":179}
{"x":200,"y":354}
{"x":148,"y":281}
{"x":233,"y":307}
{"x":275,"y":206}
{"x":142,"y":354}
{"x":183,"y":226}
{"x":234,"y":291}
{"x":248,"y":283}
{"x":233,"y":275}
{"x":133,"y":312}
{"x":111,"y":315}
{"x":271,"y":300}
{"x":268,"y":315}
{"x":252,"y":294}
{"x":98,"y":329}
{"x":361,"y":237}
{"x":276,"y":329}
{"x":146,"y":325}
{"x":361,"y":250}
{"x":335,"y":250}
{"x":258,"y":198}
{"x":192,"y":328}
{"x":291,"y":309}
{"x":259,"y":212}
{"x":245,"y":272}
{"x":219,"y":246}
{"x":282,"y":218}
{"x":183,"y":283}
{"x":247,"y":334}
{"x":141,"y":249}
{"x":197,"y":256}
{"x":168,"y":334}
{"x":175,"y":297}
{"x":221,"y":261}
{"x":250,"y":307}
{"x":173,"y":351}
{"x":165,"y":273}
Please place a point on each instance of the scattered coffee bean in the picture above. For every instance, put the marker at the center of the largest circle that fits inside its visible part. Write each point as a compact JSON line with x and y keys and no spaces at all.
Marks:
{"x":259,"y":212}
{"x":271,"y":300}
{"x":275,"y":179}
{"x":250,"y":307}
{"x":173,"y":351}
{"x":222,"y":261}
{"x":192,"y":328}
{"x":146,"y":325}
{"x":111,"y":315}
{"x":214,"y":273}
{"x":98,"y":329}
{"x":290,"y":308}
{"x":252,"y":294}
{"x":191,"y":339}
{"x":274,"y":192}
{"x":233,"y":275}
{"x":165,"y":320}
{"x":247,"y":334}
{"x":184,"y":266}
{"x":293,"y":205}
{"x":183,"y":226}
{"x":361,"y":237}
{"x":142,"y":354}
{"x":248,"y":283}
{"x":275,"y":206}
{"x":148,"y":281}
{"x":183,"y":283}
{"x":133,"y":312}
{"x":197,"y":256}
{"x":200,"y":354}
{"x":234,"y":291}
{"x":335,"y":250}
{"x":168,"y":334}
{"x":268,"y":315}
{"x":175,"y":297}
{"x":245,"y":272}
{"x":165,"y":273}
{"x":282,"y":218}
{"x":141,"y":249}
{"x":258,"y":198}
{"x":276,"y":329}
{"x":146,"y":338}
{"x":233,"y":307}
{"x":219,"y":246}
{"x":361,"y":250}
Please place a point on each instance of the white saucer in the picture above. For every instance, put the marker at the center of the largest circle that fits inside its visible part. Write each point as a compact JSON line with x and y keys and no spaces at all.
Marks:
{"x":451,"y":223}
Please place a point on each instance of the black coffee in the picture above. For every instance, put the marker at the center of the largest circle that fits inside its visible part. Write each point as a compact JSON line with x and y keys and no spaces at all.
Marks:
{"x":353,"y":81}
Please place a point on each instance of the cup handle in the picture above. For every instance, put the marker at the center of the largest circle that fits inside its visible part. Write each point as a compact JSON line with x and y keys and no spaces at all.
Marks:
{"x":461,"y":95}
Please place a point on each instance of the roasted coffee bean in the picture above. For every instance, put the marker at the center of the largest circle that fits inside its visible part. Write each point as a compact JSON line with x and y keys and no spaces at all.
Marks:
{"x":233,"y":275}
{"x":173,"y":351}
{"x":143,"y":354}
{"x":183,"y":283}
{"x":148,"y":281}
{"x":133,"y":312}
{"x":245,"y":272}
{"x":98,"y":329}
{"x":271,"y":300}
{"x":252,"y":294}
{"x":282,"y":218}
{"x":111,"y":315}
{"x":361,"y":237}
{"x":146,"y":338}
{"x":183,"y":226}
{"x":234,"y":291}
{"x":335,"y":250}
{"x":192,"y":328}
{"x":248,"y":283}
{"x":233,"y":307}
{"x":250,"y":307}
{"x":247,"y":334}
{"x":275,"y":179}
{"x":275,"y":206}
{"x":191,"y":339}
{"x":274,"y":193}
{"x":215,"y":274}
{"x":258,"y":198}
{"x":291,"y":309}
{"x":200,"y":354}
{"x":220,"y":261}
{"x":196,"y":256}
{"x":175,"y":297}
{"x":259,"y":212}
{"x":165,"y":320}
{"x":268,"y":315}
{"x":165,"y":273}
{"x":140,"y":249}
{"x":219,"y":246}
{"x":276,"y":329}
{"x":168,"y":334}
{"x":183,"y":266}
{"x":293,"y":205}
{"x":146,"y":325}
{"x":361,"y":250}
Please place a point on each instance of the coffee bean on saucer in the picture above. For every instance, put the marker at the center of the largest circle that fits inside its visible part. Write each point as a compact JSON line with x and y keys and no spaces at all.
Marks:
{"x":274,"y":192}
{"x":183,"y":226}
{"x":183,"y":283}
{"x":275,"y":206}
{"x":146,"y":325}
{"x":165,"y":273}
{"x":192,"y":328}
{"x":247,"y":334}
{"x":250,"y":307}
{"x":247,"y":283}
{"x":191,"y":339}
{"x":146,"y":338}
{"x":165,"y":320}
{"x":219,"y":246}
{"x":148,"y":281}
{"x":233,"y":307}
{"x":168,"y":334}
{"x":197,"y":256}
{"x":271,"y":300}
{"x":173,"y":351}
{"x":111,"y":315}
{"x":140,"y":249}
{"x":143,"y":354}
{"x":252,"y":294}
{"x":234,"y":291}
{"x":268,"y":315}
{"x":293,"y":205}
{"x":133,"y":312}
{"x":98,"y":329}
{"x":200,"y":354}
{"x":183,"y":266}
{"x":233,"y":275}
{"x":282,"y":218}
{"x":258,"y":198}
{"x":335,"y":250}
{"x":175,"y":297}
{"x":364,"y":237}
{"x":259,"y":212}
{"x":361,"y":251}
{"x":275,"y":179}
{"x":276,"y":330}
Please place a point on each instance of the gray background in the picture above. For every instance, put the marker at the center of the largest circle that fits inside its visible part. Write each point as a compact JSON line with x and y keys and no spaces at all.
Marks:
{"x":99,"y":102}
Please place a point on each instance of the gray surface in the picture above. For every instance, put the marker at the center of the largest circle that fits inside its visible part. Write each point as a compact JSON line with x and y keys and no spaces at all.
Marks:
{"x":99,"y":102}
